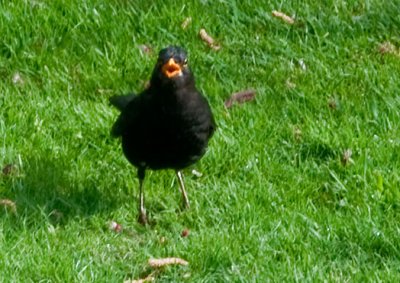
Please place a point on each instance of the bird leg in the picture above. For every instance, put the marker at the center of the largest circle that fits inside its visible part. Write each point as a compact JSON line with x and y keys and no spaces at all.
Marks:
{"x":182,"y":188}
{"x":142,"y":210}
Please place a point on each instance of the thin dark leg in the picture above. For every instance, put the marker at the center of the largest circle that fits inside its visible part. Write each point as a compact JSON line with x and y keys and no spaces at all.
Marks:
{"x":142,"y":210}
{"x":183,"y":191}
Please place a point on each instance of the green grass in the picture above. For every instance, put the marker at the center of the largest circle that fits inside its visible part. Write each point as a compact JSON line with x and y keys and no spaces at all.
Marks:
{"x":275,"y":203}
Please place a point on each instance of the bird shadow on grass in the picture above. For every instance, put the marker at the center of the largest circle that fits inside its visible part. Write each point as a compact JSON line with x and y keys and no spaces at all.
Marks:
{"x":45,"y":190}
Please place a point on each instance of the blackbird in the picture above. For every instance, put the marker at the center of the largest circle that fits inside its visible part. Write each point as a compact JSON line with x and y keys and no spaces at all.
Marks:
{"x":168,"y":125}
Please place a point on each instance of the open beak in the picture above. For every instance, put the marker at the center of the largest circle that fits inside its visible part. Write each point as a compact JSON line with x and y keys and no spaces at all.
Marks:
{"x":171,"y":69}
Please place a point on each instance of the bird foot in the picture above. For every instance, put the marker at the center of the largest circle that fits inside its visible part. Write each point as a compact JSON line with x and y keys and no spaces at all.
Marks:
{"x":142,"y":219}
{"x":186,"y":204}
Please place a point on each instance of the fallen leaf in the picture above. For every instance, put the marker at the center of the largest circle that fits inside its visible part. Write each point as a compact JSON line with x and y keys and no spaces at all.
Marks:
{"x":185,"y":233}
{"x":240,"y":97}
{"x":284,"y":17}
{"x":104,"y":91}
{"x":116,"y":227}
{"x":302,"y":65}
{"x":9,"y":169}
{"x":388,"y":48}
{"x":145,"y":48}
{"x":160,"y":262}
{"x":186,"y":22}
{"x":9,"y":204}
{"x":163,"y":240}
{"x":208,"y":39}
{"x":197,"y":173}
{"x":149,"y":278}
{"x":51,"y":229}
{"x":289,"y":84}
{"x":17,"y":79}
{"x":297,"y":133}
{"x":332,"y":103}
{"x":346,"y":157}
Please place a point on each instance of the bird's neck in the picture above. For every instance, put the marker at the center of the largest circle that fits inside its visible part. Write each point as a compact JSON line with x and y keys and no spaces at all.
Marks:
{"x":172,"y":95}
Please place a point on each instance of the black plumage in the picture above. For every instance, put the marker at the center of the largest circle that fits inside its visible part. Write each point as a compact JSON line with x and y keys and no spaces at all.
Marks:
{"x":168,"y":125}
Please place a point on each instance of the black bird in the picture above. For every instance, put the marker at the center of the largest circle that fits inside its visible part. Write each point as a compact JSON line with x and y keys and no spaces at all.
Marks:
{"x":168,"y":125}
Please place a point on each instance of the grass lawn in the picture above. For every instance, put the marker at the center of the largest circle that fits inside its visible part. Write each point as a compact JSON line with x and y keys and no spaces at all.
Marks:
{"x":280,"y":199}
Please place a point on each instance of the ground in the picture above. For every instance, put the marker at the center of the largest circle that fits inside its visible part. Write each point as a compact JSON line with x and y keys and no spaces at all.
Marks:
{"x":298,"y":185}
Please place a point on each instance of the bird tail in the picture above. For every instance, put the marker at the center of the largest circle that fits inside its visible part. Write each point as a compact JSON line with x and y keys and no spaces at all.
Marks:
{"x":121,"y":101}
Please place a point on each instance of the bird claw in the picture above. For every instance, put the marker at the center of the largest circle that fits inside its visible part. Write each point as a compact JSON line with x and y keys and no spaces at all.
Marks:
{"x":143,"y":218}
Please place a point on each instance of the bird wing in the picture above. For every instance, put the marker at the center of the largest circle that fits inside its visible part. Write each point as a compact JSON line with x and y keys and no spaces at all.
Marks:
{"x":121,"y":101}
{"x":129,"y":107}
{"x":213,"y":126}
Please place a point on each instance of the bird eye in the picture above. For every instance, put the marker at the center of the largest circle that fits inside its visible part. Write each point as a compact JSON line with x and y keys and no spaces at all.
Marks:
{"x":185,"y":61}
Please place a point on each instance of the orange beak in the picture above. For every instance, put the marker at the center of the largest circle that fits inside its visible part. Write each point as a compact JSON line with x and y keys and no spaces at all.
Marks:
{"x":171,"y":69}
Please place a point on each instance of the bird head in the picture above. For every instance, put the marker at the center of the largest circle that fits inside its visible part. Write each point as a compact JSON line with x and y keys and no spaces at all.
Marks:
{"x":172,"y":67}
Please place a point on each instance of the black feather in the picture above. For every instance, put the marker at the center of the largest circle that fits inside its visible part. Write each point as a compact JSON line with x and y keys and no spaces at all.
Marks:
{"x":121,"y":101}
